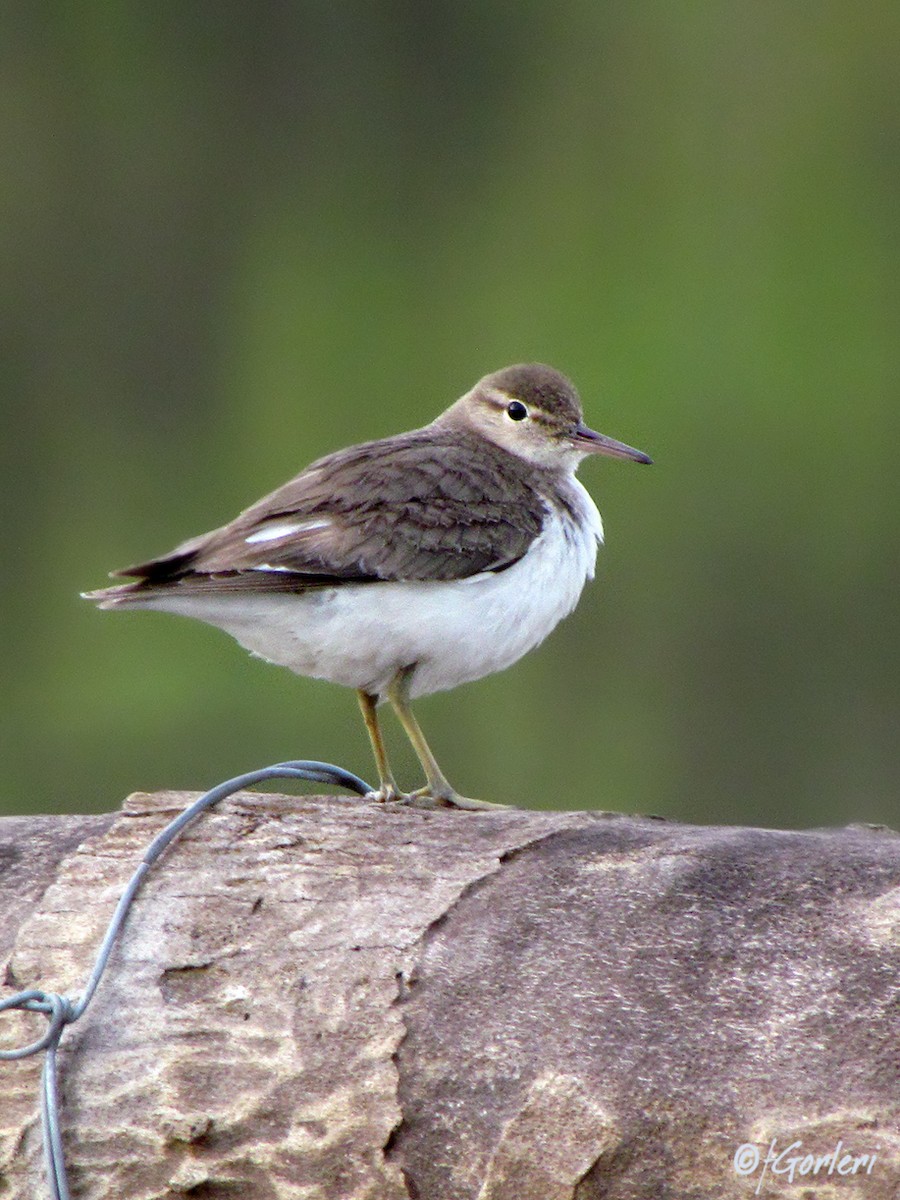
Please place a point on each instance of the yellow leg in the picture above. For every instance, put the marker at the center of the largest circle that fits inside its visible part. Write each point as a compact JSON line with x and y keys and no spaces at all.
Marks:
{"x":387,"y":789}
{"x":438,"y":788}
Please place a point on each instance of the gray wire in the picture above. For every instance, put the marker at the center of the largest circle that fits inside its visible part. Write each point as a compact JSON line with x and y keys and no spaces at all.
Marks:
{"x":62,"y":1011}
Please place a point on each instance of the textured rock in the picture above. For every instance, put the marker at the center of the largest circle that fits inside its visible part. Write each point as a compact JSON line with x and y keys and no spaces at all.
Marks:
{"x":329,"y":999}
{"x":31,"y":849}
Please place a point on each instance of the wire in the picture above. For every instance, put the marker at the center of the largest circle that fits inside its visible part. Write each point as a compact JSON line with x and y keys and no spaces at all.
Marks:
{"x":62,"y":1011}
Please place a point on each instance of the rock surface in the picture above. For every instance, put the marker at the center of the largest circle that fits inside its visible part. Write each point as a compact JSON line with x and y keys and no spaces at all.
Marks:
{"x":326,"y":999}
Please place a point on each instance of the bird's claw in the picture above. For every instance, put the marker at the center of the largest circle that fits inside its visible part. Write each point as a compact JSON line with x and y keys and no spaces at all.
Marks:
{"x":426,"y":798}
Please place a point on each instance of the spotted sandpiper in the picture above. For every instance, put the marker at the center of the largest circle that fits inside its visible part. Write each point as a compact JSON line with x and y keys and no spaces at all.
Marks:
{"x":408,"y":565}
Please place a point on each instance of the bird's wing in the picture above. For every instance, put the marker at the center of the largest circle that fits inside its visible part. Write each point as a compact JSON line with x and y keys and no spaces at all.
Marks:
{"x":419,"y":506}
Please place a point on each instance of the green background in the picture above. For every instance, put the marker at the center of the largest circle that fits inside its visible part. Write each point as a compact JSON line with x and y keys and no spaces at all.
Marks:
{"x":237,"y":236}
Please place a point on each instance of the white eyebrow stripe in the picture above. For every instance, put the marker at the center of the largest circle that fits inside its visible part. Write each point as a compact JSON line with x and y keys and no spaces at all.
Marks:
{"x":498,"y":397}
{"x":281,"y":529}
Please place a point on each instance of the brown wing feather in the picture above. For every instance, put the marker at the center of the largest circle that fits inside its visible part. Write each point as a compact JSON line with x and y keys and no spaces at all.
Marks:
{"x":424,"y":505}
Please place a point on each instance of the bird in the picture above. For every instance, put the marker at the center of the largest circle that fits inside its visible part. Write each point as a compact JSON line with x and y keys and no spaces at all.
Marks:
{"x":408,"y":565}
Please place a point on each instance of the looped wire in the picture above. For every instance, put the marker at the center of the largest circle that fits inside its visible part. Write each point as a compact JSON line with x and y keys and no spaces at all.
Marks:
{"x":57,"y":1009}
{"x":61,"y":1011}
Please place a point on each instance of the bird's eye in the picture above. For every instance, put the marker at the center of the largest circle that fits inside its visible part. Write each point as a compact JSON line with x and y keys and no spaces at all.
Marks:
{"x":516,"y":410}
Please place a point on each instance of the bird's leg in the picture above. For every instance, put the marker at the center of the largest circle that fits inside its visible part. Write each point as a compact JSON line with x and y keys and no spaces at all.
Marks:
{"x":437,"y":787}
{"x":387,"y":789}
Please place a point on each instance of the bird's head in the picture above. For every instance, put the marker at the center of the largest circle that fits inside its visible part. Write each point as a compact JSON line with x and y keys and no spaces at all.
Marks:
{"x":534,"y":412}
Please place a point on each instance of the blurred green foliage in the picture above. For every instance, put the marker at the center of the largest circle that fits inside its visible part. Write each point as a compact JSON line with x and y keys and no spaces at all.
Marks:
{"x":235,"y":237}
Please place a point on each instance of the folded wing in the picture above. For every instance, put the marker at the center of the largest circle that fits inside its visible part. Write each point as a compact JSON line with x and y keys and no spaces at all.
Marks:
{"x":420,"y":506}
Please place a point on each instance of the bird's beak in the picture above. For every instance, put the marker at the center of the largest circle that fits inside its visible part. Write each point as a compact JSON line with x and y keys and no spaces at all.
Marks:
{"x":591,"y":442}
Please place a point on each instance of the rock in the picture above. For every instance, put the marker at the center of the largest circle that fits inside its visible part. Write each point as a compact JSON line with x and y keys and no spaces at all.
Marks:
{"x":330,"y":999}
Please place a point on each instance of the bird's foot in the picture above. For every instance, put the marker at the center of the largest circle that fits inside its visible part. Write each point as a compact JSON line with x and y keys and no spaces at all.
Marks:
{"x":427,"y":797}
{"x":431,"y":798}
{"x":386,"y":793}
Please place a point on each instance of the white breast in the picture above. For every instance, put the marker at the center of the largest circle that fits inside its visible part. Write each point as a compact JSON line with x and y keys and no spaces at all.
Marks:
{"x":360,"y":635}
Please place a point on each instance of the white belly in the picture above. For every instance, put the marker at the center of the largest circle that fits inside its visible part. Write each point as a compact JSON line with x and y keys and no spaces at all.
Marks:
{"x":360,"y":635}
